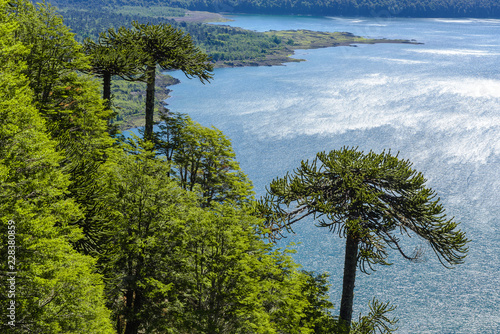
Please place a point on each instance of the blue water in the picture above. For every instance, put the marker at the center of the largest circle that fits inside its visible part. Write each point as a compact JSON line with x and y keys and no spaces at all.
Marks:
{"x":438,"y":104}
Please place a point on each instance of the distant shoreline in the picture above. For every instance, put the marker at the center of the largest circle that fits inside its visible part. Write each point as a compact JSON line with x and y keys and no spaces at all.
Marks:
{"x":292,"y":39}
{"x":304,"y":40}
{"x":308,"y":40}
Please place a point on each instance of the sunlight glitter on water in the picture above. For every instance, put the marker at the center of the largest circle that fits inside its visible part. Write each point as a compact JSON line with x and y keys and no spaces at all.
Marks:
{"x":438,"y":104}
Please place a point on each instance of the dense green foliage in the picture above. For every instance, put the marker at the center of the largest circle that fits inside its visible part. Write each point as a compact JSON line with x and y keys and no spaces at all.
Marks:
{"x":378,"y":8}
{"x":202,"y":157}
{"x":228,"y":43}
{"x":176,"y":267}
{"x":69,"y":102}
{"x":56,"y":289}
{"x":129,"y":236}
{"x":102,"y":223}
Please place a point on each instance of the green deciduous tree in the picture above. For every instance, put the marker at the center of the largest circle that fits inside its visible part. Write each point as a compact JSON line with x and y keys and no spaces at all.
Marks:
{"x":366,"y":198}
{"x":318,"y":313}
{"x":69,"y":102}
{"x":202,"y":157}
{"x":146,"y":214}
{"x":53,"y":55}
{"x":55,"y":288}
{"x":175,"y":266}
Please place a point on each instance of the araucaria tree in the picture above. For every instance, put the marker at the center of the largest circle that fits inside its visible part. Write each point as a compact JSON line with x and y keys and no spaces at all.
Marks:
{"x":367,"y":199}
{"x":167,"y":47}
{"x":108,"y":60}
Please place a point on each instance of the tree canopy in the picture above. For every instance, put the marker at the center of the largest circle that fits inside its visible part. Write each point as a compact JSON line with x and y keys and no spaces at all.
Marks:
{"x":174,"y":265}
{"x":160,"y":235}
{"x":56,"y":288}
{"x":108,"y":61}
{"x":161,"y":45}
{"x":369,"y":199}
{"x":202,"y":157}
{"x":107,"y":238}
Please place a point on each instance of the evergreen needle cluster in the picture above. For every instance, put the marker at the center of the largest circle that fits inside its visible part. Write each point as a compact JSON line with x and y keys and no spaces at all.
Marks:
{"x":368,"y":199}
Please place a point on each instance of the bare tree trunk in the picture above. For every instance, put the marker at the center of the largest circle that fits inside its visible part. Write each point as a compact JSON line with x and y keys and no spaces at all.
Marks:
{"x":134,"y":304}
{"x":350,"y":265}
{"x":106,"y":89}
{"x":150,"y":101}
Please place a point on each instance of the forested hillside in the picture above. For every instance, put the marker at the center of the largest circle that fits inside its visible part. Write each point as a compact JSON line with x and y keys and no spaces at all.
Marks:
{"x":383,"y":8}
{"x":103,"y":234}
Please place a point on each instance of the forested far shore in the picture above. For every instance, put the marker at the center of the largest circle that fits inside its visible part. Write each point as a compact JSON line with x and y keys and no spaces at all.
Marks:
{"x":373,"y":8}
{"x":227,"y":46}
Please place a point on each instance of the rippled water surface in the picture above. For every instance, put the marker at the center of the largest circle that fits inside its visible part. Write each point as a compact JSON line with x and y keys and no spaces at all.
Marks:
{"x":438,"y":104}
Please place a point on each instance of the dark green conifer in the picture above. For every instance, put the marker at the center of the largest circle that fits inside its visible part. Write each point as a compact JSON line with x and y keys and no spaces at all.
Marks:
{"x":108,"y":60}
{"x":167,"y":47}
{"x":367,"y":199}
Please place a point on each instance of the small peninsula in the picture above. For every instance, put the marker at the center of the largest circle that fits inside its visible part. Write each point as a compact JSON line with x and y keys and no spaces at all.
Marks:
{"x":130,"y":96}
{"x":291,"y":40}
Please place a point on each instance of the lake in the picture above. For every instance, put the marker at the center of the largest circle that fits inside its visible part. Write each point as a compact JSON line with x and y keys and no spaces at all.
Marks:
{"x":437,"y":104}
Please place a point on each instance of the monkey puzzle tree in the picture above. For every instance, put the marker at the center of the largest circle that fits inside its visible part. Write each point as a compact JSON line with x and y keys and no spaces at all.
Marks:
{"x":167,"y":47}
{"x":108,"y":60}
{"x":366,"y":198}
{"x":111,"y":60}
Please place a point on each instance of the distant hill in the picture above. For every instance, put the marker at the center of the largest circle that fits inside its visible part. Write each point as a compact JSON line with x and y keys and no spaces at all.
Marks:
{"x":380,"y":8}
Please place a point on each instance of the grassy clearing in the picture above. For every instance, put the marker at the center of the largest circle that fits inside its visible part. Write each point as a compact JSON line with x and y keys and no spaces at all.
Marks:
{"x":129,"y":99}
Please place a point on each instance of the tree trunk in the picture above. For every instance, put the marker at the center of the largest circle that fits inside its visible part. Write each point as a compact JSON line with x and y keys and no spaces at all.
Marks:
{"x":150,"y":102}
{"x":134,"y":304}
{"x":106,"y":89}
{"x":350,"y":265}
{"x":106,"y":96}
